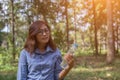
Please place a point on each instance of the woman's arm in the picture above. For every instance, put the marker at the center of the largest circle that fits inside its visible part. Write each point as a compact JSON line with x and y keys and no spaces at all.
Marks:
{"x":22,"y":67}
{"x":70,"y":61}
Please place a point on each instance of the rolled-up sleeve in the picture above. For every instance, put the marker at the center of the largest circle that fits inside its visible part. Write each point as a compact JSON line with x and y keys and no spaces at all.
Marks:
{"x":58,"y":68}
{"x":22,"y":66}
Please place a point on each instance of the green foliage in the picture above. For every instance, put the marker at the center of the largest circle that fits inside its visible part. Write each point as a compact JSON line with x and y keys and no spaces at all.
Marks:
{"x":2,"y":37}
{"x":2,"y":25}
{"x":8,"y":72}
{"x":84,"y":51}
{"x":8,"y":77}
{"x":5,"y":56}
{"x":7,"y":50}
{"x":91,"y":68}
{"x":59,"y":36}
{"x":86,"y":68}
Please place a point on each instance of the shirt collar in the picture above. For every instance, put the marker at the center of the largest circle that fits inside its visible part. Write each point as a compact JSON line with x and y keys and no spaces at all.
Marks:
{"x":48,"y":49}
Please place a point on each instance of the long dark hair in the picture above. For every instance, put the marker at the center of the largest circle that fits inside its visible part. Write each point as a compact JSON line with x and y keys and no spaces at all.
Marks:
{"x":31,"y":43}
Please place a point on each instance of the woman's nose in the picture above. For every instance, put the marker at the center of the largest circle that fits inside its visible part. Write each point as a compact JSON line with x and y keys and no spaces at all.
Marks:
{"x":44,"y":33}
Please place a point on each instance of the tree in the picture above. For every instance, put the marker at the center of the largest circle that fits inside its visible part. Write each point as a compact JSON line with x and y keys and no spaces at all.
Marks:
{"x":116,"y":22}
{"x":13,"y":28}
{"x":110,"y":37}
{"x":95,"y":29}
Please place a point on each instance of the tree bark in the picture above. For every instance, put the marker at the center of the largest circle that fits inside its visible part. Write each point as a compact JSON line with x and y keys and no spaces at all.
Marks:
{"x":95,"y":30}
{"x":13,"y":29}
{"x":110,"y":37}
{"x":67,"y":26}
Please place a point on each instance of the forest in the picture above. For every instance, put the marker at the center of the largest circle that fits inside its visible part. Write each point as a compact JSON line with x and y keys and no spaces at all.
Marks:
{"x":93,"y":24}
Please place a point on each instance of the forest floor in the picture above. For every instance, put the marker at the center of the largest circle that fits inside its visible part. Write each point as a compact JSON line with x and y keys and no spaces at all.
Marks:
{"x":86,"y":68}
{"x":94,"y":68}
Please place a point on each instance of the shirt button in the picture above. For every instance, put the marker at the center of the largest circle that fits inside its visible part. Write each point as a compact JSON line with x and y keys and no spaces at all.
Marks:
{"x":42,"y":74}
{"x":40,"y":57}
{"x":41,"y":67}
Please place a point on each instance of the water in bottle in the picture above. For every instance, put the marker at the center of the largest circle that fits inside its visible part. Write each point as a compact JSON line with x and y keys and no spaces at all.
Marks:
{"x":70,"y":51}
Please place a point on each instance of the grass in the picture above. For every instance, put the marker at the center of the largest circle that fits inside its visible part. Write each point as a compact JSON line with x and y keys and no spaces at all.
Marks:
{"x":8,"y":72}
{"x":8,"y":76}
{"x":92,"y":68}
{"x":86,"y":68}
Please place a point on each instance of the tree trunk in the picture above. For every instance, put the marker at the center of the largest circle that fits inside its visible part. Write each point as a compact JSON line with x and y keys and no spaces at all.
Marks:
{"x":75,"y":39}
{"x":67,"y":26}
{"x":95,"y":30}
{"x":110,"y":38}
{"x":13,"y":29}
{"x":117,"y":38}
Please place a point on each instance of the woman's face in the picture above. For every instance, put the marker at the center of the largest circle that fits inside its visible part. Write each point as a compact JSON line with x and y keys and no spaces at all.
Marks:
{"x":43,"y":35}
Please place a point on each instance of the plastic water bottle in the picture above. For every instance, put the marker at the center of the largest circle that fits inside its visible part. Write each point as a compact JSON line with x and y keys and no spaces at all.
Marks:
{"x":70,"y":51}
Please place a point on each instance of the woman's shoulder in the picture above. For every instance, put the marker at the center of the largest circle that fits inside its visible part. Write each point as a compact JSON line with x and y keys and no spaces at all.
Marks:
{"x":24,"y":52}
{"x":58,"y":52}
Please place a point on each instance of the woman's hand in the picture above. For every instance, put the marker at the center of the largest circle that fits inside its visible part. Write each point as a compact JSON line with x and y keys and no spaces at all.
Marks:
{"x":69,"y":59}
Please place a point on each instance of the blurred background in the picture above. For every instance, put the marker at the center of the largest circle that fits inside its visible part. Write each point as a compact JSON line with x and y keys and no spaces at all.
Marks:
{"x":94,"y":25}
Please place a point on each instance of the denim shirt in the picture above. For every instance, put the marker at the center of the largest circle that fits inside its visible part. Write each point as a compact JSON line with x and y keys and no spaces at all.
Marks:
{"x":39,"y":66}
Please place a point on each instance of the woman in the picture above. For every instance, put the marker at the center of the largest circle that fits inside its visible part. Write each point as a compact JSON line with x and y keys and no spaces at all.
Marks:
{"x":40,"y":59}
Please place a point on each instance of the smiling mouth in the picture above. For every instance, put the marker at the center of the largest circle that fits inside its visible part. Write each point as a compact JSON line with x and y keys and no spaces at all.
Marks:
{"x":45,"y":38}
